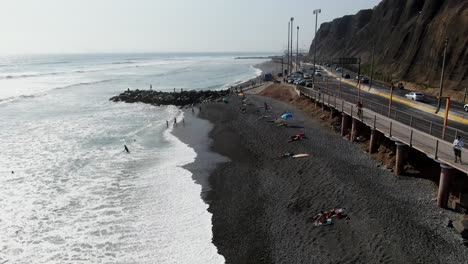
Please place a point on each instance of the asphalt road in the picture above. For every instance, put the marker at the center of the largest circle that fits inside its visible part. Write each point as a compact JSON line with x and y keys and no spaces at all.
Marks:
{"x":429,"y":99}
{"x":418,"y":119}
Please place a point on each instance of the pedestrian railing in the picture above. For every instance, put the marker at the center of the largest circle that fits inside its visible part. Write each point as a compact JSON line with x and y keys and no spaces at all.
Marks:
{"x":413,"y":135}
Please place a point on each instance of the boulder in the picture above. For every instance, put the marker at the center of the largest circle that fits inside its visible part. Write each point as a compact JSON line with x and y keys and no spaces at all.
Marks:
{"x":184,"y":98}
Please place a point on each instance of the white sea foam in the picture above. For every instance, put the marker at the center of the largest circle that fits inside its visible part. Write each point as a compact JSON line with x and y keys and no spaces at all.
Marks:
{"x":76,"y":197}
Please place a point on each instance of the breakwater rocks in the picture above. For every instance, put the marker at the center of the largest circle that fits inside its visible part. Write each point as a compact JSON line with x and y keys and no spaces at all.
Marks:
{"x":183,"y":98}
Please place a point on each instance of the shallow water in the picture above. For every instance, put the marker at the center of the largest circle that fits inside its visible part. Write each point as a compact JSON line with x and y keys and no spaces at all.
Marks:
{"x":70,"y":194}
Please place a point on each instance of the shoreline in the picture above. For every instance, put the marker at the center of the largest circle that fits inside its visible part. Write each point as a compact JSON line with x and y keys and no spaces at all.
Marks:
{"x":260,"y":206}
{"x":198,"y":132}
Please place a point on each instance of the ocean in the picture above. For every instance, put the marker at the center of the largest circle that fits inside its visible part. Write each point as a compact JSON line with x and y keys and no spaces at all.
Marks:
{"x":69,"y":193}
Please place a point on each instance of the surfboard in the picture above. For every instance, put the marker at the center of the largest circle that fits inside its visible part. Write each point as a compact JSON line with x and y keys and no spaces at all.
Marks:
{"x":301,"y":155}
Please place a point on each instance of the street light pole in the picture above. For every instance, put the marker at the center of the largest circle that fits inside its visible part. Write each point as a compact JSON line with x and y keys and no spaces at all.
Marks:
{"x":391,"y":99}
{"x":464,"y":97}
{"x":316,"y":12}
{"x":372,"y":66}
{"x":282,"y":62}
{"x":442,"y":77}
{"x":297,"y":46}
{"x":447,"y":108}
{"x":289,"y":34}
{"x":292,"y":34}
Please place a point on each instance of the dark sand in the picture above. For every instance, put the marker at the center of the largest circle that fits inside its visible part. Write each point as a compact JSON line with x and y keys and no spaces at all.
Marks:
{"x":261,"y":205}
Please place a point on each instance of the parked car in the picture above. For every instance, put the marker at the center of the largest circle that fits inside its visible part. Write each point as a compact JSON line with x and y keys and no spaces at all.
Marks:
{"x":267,"y":77}
{"x":347,"y":76}
{"x":309,"y":84}
{"x":415,"y":96}
{"x":358,"y":77}
{"x":319,"y":74}
{"x":466,"y":107}
{"x":298,"y":81}
{"x":365,"y":80}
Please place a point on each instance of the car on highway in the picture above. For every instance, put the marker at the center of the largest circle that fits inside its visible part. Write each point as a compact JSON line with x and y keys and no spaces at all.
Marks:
{"x":415,"y":96}
{"x":466,"y":107}
{"x":347,"y":76}
{"x":365,"y":80}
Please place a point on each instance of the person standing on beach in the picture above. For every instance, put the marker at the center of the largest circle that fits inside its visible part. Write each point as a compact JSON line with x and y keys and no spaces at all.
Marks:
{"x":175,"y":121}
{"x":457,"y":148}
{"x":167,"y":124}
{"x":126,"y":149}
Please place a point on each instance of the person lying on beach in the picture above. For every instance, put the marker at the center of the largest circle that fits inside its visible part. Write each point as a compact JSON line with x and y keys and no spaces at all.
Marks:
{"x":297,"y":137}
{"x":325,"y":217}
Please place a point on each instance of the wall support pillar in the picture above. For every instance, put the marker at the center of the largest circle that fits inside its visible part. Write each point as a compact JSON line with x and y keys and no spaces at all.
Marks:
{"x":401,"y":154}
{"x":374,"y":141}
{"x":345,"y":124}
{"x":354,"y":127}
{"x":444,"y":183}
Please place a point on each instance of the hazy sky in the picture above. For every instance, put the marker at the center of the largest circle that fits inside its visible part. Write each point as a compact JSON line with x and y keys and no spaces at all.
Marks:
{"x":69,"y":26}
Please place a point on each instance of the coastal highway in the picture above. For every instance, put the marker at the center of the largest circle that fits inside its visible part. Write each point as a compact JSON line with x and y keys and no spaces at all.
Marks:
{"x":421,"y":120}
{"x":382,"y":87}
{"x":428,"y":99}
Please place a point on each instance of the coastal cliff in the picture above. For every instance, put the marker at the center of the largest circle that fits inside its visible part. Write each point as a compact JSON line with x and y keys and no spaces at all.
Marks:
{"x":409,"y":37}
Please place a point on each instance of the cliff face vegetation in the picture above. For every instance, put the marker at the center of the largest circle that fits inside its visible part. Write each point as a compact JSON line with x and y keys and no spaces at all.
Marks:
{"x":409,"y":37}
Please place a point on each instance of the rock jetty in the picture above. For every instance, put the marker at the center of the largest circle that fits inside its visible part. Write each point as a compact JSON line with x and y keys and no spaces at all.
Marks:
{"x":183,"y":98}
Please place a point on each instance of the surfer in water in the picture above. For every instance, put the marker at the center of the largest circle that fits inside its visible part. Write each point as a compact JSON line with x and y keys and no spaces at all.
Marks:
{"x":126,"y":149}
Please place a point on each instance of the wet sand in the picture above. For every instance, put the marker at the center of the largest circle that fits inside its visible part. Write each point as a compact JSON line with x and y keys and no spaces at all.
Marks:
{"x":261,"y":205}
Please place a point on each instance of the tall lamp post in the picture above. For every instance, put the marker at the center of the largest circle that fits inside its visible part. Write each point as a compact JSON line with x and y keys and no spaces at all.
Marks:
{"x":292,"y":34}
{"x":316,"y":12}
{"x":297,"y":46}
{"x":447,"y":108}
{"x":442,"y":77}
{"x":390,"y":100}
{"x":372,"y":67}
{"x":289,"y":34}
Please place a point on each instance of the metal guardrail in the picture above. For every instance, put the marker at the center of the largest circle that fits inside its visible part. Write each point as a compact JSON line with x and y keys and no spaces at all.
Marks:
{"x":431,"y":145}
{"x":415,"y":122}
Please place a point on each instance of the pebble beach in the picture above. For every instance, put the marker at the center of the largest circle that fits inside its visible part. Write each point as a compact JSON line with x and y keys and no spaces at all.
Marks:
{"x":262,"y":205}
